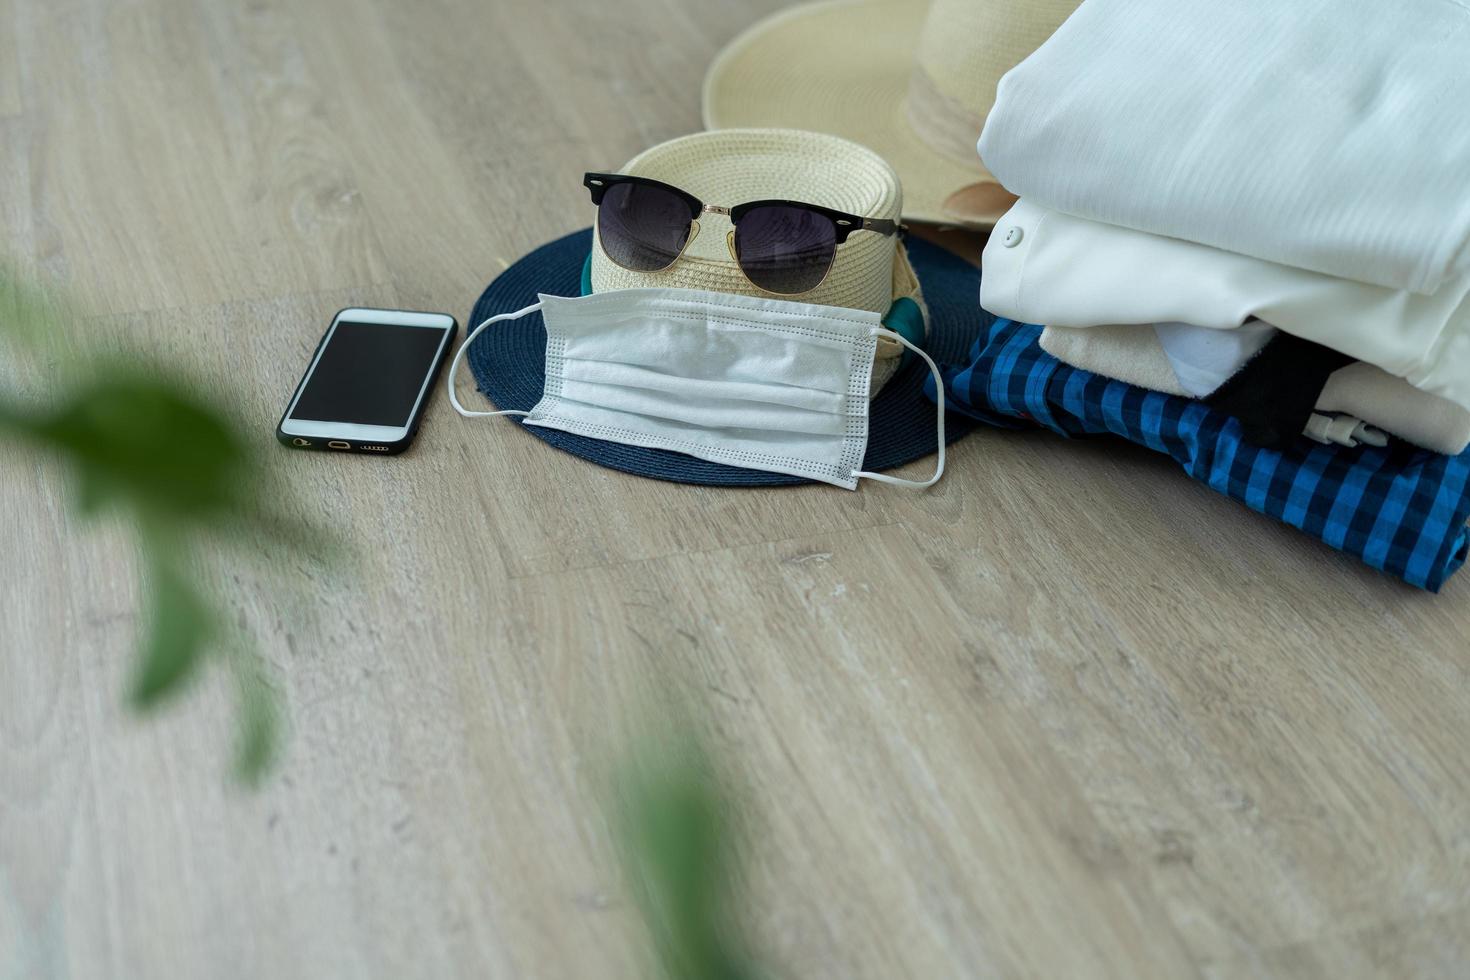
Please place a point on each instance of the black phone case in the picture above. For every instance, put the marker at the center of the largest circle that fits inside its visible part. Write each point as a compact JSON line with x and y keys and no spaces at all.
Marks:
{"x":355,"y":445}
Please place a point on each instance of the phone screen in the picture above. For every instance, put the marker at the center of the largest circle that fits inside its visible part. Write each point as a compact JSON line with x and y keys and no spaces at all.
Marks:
{"x":369,"y":374}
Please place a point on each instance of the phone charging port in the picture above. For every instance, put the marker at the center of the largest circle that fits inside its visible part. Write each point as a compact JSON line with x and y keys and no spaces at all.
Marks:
{"x":339,"y":444}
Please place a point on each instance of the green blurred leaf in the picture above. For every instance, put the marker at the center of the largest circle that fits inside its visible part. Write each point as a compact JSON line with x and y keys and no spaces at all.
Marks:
{"x":258,"y":739}
{"x":150,"y":441}
{"x":677,"y":849}
{"x":12,"y":418}
{"x":181,"y":626}
{"x":145,"y":443}
{"x":25,"y":311}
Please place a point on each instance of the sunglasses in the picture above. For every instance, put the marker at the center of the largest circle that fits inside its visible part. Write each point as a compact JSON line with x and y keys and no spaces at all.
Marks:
{"x":782,"y":247}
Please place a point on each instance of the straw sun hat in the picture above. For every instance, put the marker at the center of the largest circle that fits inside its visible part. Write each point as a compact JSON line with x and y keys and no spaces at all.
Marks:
{"x":870,"y":272}
{"x":733,"y":166}
{"x":912,"y":80}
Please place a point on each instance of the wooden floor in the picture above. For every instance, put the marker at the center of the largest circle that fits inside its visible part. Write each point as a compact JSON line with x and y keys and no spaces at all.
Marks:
{"x":1065,"y":715}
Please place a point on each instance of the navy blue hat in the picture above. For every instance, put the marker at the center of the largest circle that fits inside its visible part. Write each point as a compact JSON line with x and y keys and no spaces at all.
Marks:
{"x":509,"y":365}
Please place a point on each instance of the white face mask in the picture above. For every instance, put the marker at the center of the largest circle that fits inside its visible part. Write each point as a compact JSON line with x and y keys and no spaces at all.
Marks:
{"x":758,"y":383}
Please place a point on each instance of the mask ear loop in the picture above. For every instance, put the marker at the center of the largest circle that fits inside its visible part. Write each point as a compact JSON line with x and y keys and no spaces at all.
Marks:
{"x":454,"y":364}
{"x":939,"y":401}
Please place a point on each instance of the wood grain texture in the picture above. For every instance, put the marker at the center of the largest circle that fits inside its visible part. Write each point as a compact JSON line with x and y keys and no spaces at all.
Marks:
{"x":9,"y":61}
{"x":1066,"y":714}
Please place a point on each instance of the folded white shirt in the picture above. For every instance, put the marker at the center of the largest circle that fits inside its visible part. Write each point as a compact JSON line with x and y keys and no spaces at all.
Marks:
{"x":1047,"y":267}
{"x":1134,"y":354}
{"x":1331,"y":135}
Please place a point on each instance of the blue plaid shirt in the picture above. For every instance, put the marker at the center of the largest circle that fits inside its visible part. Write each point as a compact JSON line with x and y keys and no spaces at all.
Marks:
{"x":1398,"y":509}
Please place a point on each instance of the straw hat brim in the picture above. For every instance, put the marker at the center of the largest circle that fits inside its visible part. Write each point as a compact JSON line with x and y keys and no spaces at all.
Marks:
{"x":843,"y":67}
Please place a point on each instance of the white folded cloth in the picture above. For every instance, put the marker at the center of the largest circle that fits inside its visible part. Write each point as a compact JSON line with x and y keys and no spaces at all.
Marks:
{"x":1134,"y":354}
{"x":1331,"y":135}
{"x":1047,"y":267}
{"x":1126,"y":352}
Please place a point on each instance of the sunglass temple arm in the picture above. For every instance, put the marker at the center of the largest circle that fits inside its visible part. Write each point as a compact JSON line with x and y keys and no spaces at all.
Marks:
{"x":884,"y":226}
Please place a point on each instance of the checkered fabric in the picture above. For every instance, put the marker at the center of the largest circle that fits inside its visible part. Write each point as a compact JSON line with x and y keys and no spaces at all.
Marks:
{"x":1399,"y":509}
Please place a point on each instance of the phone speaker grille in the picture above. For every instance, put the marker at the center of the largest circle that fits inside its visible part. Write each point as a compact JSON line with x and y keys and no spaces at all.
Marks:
{"x":375,"y":449}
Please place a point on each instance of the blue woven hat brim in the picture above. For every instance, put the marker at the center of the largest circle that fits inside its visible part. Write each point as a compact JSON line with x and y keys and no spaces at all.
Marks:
{"x":509,"y":365}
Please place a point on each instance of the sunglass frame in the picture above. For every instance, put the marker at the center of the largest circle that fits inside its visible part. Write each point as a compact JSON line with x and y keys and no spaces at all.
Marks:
{"x":844,"y":222}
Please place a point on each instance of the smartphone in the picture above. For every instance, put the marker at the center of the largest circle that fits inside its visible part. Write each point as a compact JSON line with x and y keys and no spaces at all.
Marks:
{"x":368,"y":382}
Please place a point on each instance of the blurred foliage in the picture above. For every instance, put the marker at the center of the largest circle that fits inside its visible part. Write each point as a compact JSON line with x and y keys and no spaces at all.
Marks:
{"x":145,"y":445}
{"x":678,"y":847}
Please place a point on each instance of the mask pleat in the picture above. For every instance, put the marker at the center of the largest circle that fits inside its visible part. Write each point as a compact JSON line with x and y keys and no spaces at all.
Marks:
{"x":701,"y":389}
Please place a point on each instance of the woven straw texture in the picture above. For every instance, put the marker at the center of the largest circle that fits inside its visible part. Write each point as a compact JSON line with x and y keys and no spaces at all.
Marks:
{"x":509,"y":365}
{"x":735,"y":166}
{"x":912,"y":81}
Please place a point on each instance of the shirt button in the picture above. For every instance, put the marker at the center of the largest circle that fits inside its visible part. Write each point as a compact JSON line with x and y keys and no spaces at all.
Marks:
{"x":1013,"y":237}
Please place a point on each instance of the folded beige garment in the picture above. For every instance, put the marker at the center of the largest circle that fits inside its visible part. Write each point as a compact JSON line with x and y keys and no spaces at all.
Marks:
{"x":1132,"y":353}
{"x":1127,"y":352}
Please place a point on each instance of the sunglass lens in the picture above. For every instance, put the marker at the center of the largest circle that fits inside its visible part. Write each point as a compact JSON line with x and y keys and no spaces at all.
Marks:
{"x":783,"y":249}
{"x":642,"y":228}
